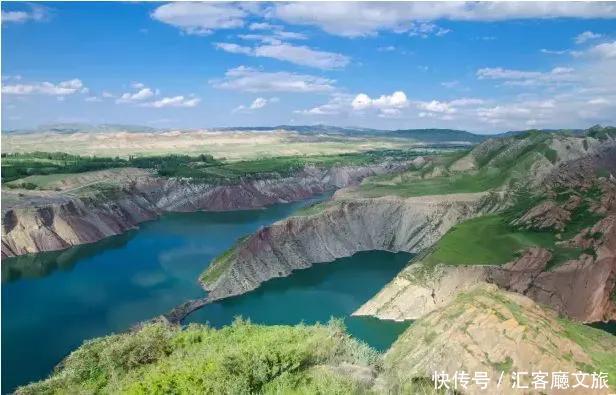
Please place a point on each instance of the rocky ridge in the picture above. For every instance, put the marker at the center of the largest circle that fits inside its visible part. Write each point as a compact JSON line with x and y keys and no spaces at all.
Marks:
{"x":580,"y":289}
{"x":484,"y":329}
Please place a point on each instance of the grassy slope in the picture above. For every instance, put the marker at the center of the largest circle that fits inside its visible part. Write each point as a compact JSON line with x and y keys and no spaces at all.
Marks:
{"x":241,"y":358}
{"x":485,"y":240}
{"x":491,"y":240}
{"x":496,"y":169}
{"x":220,"y":264}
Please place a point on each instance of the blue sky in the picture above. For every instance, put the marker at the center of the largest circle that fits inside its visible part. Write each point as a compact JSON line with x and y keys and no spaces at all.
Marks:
{"x":483,"y":67}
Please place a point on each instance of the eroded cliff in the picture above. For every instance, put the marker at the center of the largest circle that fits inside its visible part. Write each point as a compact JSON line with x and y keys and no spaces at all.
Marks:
{"x":56,"y":221}
{"x":338,"y":229}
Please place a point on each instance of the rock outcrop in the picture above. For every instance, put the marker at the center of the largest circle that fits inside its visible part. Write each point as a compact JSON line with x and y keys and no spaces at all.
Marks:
{"x":544,"y":216}
{"x":340,"y":229}
{"x":420,"y":289}
{"x":46,"y":223}
{"x":501,"y":333}
{"x":581,"y":289}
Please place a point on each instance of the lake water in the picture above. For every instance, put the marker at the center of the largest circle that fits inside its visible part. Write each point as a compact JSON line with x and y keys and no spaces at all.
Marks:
{"x":54,"y":301}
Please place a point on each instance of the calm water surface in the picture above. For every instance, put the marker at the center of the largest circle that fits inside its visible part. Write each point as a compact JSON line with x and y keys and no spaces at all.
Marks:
{"x":54,"y":301}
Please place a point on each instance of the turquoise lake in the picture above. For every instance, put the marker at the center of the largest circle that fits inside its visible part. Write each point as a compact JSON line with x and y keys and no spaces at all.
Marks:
{"x":52,"y":302}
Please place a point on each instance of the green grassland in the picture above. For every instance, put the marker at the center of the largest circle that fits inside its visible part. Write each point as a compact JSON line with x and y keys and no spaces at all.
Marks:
{"x":238,"y":359}
{"x":491,"y":240}
{"x":219,"y":265}
{"x":501,"y":167}
{"x":487,"y":240}
{"x":38,"y":169}
{"x":599,"y":345}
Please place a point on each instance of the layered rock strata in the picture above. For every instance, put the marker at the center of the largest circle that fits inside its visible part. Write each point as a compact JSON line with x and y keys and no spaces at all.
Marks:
{"x":53,"y":222}
{"x":340,"y":229}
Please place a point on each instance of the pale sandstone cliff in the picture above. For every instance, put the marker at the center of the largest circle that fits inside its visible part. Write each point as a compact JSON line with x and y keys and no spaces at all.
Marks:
{"x":52,"y":223}
{"x":580,"y":289}
{"x":485,"y":329}
{"x":342,"y":228}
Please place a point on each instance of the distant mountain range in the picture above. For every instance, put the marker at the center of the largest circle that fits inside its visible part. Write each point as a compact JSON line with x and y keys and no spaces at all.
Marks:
{"x":422,"y":135}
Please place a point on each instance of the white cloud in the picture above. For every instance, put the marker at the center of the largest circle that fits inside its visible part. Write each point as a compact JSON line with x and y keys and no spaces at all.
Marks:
{"x":465,"y":101}
{"x":234,"y":48}
{"x":93,"y":99}
{"x":175,"y":101}
{"x":356,"y":19}
{"x":46,"y":88}
{"x":15,"y":16}
{"x":140,"y":95}
{"x":436,"y":106}
{"x":555,"y":52}
{"x":426,"y":29}
{"x":386,"y":105}
{"x":585,"y":36}
{"x":275,"y":34}
{"x":257,"y":104}
{"x":264,"y":26}
{"x":290,"y":35}
{"x":598,"y":101}
{"x":396,"y":105}
{"x":201,"y":18}
{"x":143,"y":97}
{"x":558,"y":75}
{"x":301,"y":55}
{"x":251,"y":80}
{"x":604,"y":51}
{"x":36,"y":13}
{"x":337,"y":104}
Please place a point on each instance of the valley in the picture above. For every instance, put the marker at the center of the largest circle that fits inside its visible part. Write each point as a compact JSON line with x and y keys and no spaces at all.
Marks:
{"x":511,"y":238}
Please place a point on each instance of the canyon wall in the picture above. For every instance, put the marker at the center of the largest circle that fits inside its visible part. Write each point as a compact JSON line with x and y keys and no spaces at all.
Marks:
{"x":53,"y":222}
{"x":340,"y":229}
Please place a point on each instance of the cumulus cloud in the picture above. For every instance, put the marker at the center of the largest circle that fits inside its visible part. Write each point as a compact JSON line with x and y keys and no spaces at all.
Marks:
{"x":585,"y":36}
{"x":384,"y":106}
{"x":356,"y":19}
{"x":175,"y":101}
{"x":395,"y":101}
{"x":604,"y":51}
{"x":396,"y":105}
{"x":140,"y":95}
{"x":63,"y":88}
{"x":201,"y":18}
{"x":248,"y":79}
{"x":257,"y":104}
{"x":301,"y":55}
{"x":436,"y":106}
{"x":337,"y":104}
